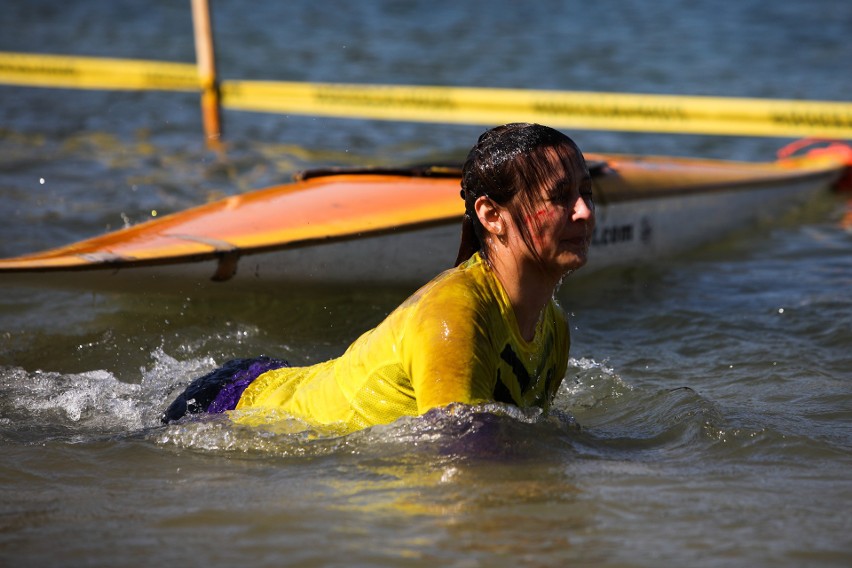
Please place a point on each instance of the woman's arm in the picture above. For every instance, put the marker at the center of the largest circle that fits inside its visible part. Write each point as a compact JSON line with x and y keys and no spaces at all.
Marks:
{"x":449,"y":355}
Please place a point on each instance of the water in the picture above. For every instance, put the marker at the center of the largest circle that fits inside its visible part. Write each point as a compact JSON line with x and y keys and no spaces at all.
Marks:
{"x":706,"y":418}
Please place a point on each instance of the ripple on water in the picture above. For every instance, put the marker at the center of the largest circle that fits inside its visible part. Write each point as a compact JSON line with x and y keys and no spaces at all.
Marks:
{"x":596,"y":415}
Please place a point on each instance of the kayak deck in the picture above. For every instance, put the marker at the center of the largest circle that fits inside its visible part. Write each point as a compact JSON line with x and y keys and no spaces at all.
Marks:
{"x":321,"y":209}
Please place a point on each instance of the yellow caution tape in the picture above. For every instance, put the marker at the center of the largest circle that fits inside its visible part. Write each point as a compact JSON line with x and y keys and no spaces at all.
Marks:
{"x":60,"y":71}
{"x":579,"y":110}
{"x":462,"y":105}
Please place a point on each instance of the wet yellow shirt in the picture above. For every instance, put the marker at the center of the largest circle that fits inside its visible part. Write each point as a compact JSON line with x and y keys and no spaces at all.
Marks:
{"x":455,"y":340}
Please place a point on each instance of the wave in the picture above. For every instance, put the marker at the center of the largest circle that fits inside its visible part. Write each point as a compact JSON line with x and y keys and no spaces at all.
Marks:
{"x":82,"y":406}
{"x":596,"y":415}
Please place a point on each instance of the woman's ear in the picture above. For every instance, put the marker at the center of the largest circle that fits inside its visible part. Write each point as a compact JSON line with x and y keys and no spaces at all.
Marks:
{"x":489,"y":215}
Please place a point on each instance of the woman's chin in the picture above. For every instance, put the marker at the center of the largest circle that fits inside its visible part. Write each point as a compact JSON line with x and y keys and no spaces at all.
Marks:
{"x":578,"y":262}
{"x":569,"y":262}
{"x":574,"y":257}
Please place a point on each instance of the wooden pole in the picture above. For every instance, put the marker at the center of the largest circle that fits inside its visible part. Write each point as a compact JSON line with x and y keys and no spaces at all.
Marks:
{"x":210,"y":100}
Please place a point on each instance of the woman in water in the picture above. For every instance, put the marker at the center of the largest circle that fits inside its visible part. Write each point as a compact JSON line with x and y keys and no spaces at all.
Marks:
{"x":488,"y":330}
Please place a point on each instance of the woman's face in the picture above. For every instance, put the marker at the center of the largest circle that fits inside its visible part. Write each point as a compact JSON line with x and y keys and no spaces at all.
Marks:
{"x":562,"y":218}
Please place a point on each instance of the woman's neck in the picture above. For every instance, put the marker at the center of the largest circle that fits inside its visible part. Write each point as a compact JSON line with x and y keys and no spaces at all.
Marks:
{"x":528,"y":288}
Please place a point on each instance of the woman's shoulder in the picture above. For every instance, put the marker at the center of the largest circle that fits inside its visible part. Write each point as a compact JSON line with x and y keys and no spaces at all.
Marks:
{"x":465,"y":287}
{"x":463,"y":275}
{"x":472,"y":280}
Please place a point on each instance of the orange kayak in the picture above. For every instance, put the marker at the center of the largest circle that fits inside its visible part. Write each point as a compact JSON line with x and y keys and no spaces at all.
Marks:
{"x":403,"y":227}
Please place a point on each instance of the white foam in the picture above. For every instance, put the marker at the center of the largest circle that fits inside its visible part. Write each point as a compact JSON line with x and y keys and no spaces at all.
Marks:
{"x":94,"y":398}
{"x":97,"y":401}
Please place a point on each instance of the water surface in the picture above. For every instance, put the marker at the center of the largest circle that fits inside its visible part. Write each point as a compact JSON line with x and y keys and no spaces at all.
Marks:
{"x":706,"y":418}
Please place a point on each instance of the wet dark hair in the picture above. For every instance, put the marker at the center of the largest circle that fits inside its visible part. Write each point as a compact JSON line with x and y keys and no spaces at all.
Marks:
{"x":513,"y":160}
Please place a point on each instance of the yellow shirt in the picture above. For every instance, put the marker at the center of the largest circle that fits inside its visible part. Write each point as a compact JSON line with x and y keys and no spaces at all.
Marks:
{"x":455,"y":340}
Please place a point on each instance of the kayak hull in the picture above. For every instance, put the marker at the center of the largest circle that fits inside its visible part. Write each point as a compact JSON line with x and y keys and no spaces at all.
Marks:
{"x":396,"y":229}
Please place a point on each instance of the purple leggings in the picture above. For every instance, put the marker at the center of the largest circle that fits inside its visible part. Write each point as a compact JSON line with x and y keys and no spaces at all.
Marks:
{"x":221,"y":389}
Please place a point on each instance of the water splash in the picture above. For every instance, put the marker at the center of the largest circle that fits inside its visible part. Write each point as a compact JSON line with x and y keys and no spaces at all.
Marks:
{"x":596,"y":414}
{"x":488,"y":431}
{"x":90,"y":402}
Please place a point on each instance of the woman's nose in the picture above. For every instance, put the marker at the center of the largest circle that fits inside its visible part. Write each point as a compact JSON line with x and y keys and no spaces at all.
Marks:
{"x":583,"y":209}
